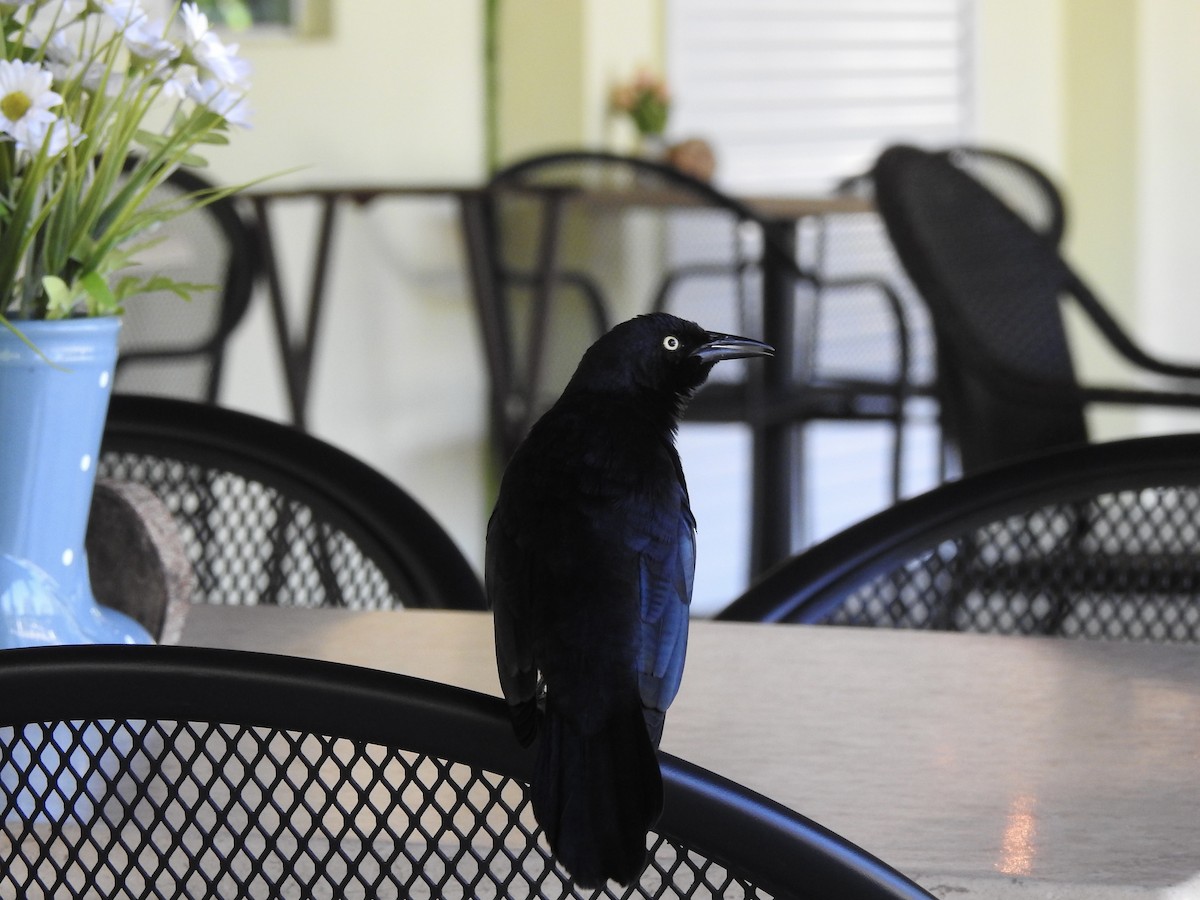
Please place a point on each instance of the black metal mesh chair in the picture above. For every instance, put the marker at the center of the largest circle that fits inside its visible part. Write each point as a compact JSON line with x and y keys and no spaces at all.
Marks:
{"x":581,"y":240}
{"x":269,"y":514}
{"x":174,"y":771}
{"x":994,"y":283}
{"x":1097,"y":541}
{"x":177,"y":348}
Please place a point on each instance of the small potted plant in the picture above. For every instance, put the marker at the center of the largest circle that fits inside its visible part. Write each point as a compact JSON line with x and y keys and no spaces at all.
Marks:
{"x":99,"y":103}
{"x":647,"y":102}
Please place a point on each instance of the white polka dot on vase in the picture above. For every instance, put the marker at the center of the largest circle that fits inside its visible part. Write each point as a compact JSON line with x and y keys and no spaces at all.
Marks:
{"x":104,"y":379}
{"x":68,"y":556}
{"x":86,"y":462}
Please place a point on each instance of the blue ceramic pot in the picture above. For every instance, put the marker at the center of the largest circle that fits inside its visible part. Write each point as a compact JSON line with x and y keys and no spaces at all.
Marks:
{"x":53,"y":402}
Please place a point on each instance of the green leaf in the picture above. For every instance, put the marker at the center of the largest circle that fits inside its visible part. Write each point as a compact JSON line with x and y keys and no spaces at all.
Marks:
{"x":58,"y":297}
{"x":149,"y":140}
{"x":131,"y":285}
{"x":103,"y":299}
{"x":194,"y":160}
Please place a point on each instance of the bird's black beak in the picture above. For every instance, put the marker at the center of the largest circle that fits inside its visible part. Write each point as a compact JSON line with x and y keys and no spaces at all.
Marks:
{"x":728,"y":346}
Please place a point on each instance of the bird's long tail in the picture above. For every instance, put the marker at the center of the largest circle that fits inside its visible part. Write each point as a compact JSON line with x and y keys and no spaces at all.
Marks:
{"x":597,"y":796}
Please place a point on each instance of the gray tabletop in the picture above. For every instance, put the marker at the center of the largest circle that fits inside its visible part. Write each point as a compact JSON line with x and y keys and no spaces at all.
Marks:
{"x":994,"y":765}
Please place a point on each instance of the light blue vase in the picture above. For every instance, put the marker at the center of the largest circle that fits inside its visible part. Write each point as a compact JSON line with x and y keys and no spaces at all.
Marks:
{"x":53,"y":402}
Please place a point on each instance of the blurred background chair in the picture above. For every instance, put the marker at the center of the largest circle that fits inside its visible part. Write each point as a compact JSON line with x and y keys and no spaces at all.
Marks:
{"x":174,"y":347}
{"x":206,"y":773}
{"x":994,"y":284}
{"x":1096,"y":541}
{"x":578,"y":241}
{"x":269,"y":514}
{"x":1017,"y":182}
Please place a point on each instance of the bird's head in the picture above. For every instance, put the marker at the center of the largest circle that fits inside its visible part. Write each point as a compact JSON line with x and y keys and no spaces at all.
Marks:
{"x":659,"y":355}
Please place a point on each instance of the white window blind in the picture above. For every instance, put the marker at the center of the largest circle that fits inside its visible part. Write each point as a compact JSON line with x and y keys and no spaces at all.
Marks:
{"x":794,"y":96}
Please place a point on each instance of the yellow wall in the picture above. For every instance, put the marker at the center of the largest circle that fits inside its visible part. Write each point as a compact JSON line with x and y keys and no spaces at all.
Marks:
{"x":1019,"y":66}
{"x":394,"y":92}
{"x":558,"y":61}
{"x":1100,"y":147}
{"x":1168,"y":187}
{"x":541,"y":72}
{"x":1100,"y":154}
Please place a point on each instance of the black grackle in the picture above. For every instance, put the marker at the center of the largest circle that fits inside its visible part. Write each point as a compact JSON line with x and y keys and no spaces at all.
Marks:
{"x":590,"y":558}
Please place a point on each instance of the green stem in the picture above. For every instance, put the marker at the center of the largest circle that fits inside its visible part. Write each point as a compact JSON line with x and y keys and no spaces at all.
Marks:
{"x":491,"y":84}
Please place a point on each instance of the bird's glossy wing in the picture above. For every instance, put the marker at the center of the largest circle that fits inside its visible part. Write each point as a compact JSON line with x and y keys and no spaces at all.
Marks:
{"x":667,"y":569}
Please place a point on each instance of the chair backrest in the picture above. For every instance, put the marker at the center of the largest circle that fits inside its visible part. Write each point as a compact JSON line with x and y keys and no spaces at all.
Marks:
{"x":1097,"y":541}
{"x":270,"y":514}
{"x":1024,"y":188}
{"x":174,"y":347}
{"x":581,"y":240}
{"x":993,"y":284}
{"x":175,"y":771}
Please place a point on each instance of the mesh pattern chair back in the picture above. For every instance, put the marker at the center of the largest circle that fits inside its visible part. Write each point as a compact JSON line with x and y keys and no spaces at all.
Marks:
{"x":993,"y":284}
{"x":269,"y":514}
{"x":198,"y":773}
{"x":174,"y":347}
{"x":1100,"y":541}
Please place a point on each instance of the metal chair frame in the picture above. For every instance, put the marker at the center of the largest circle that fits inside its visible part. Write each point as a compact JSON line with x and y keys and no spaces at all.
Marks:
{"x":234,"y":291}
{"x":994,"y":285}
{"x":187,"y":453}
{"x":929,"y":552}
{"x":199,"y":772}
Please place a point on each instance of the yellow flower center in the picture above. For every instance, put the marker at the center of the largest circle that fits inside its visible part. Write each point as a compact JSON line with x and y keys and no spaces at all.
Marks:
{"x":15,"y":105}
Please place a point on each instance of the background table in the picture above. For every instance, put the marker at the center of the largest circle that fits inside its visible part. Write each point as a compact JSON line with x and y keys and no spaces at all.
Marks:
{"x":296,"y":342}
{"x":980,"y":766}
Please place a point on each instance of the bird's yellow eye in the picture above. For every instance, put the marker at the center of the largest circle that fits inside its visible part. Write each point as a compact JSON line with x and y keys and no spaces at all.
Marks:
{"x":671,"y":342}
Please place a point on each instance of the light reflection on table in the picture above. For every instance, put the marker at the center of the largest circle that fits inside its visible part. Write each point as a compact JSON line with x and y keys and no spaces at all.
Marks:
{"x":995,"y":765}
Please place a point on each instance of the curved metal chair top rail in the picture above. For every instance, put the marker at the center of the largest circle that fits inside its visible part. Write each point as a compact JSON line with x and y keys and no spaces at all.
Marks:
{"x":810,"y":585}
{"x":759,"y":840}
{"x":403,"y":538}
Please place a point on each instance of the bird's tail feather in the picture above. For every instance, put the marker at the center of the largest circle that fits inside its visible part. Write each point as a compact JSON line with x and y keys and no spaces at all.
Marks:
{"x":597,"y":796}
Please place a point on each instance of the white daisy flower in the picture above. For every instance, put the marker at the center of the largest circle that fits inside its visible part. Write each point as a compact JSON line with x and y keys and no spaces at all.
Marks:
{"x":146,"y":40}
{"x":61,"y":51}
{"x":64,"y":63}
{"x":57,"y":13}
{"x":216,"y":97}
{"x":179,"y":81}
{"x":194,"y":21}
{"x":25,"y":97}
{"x":56,"y":135}
{"x":214,"y":59}
{"x":123,"y":13}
